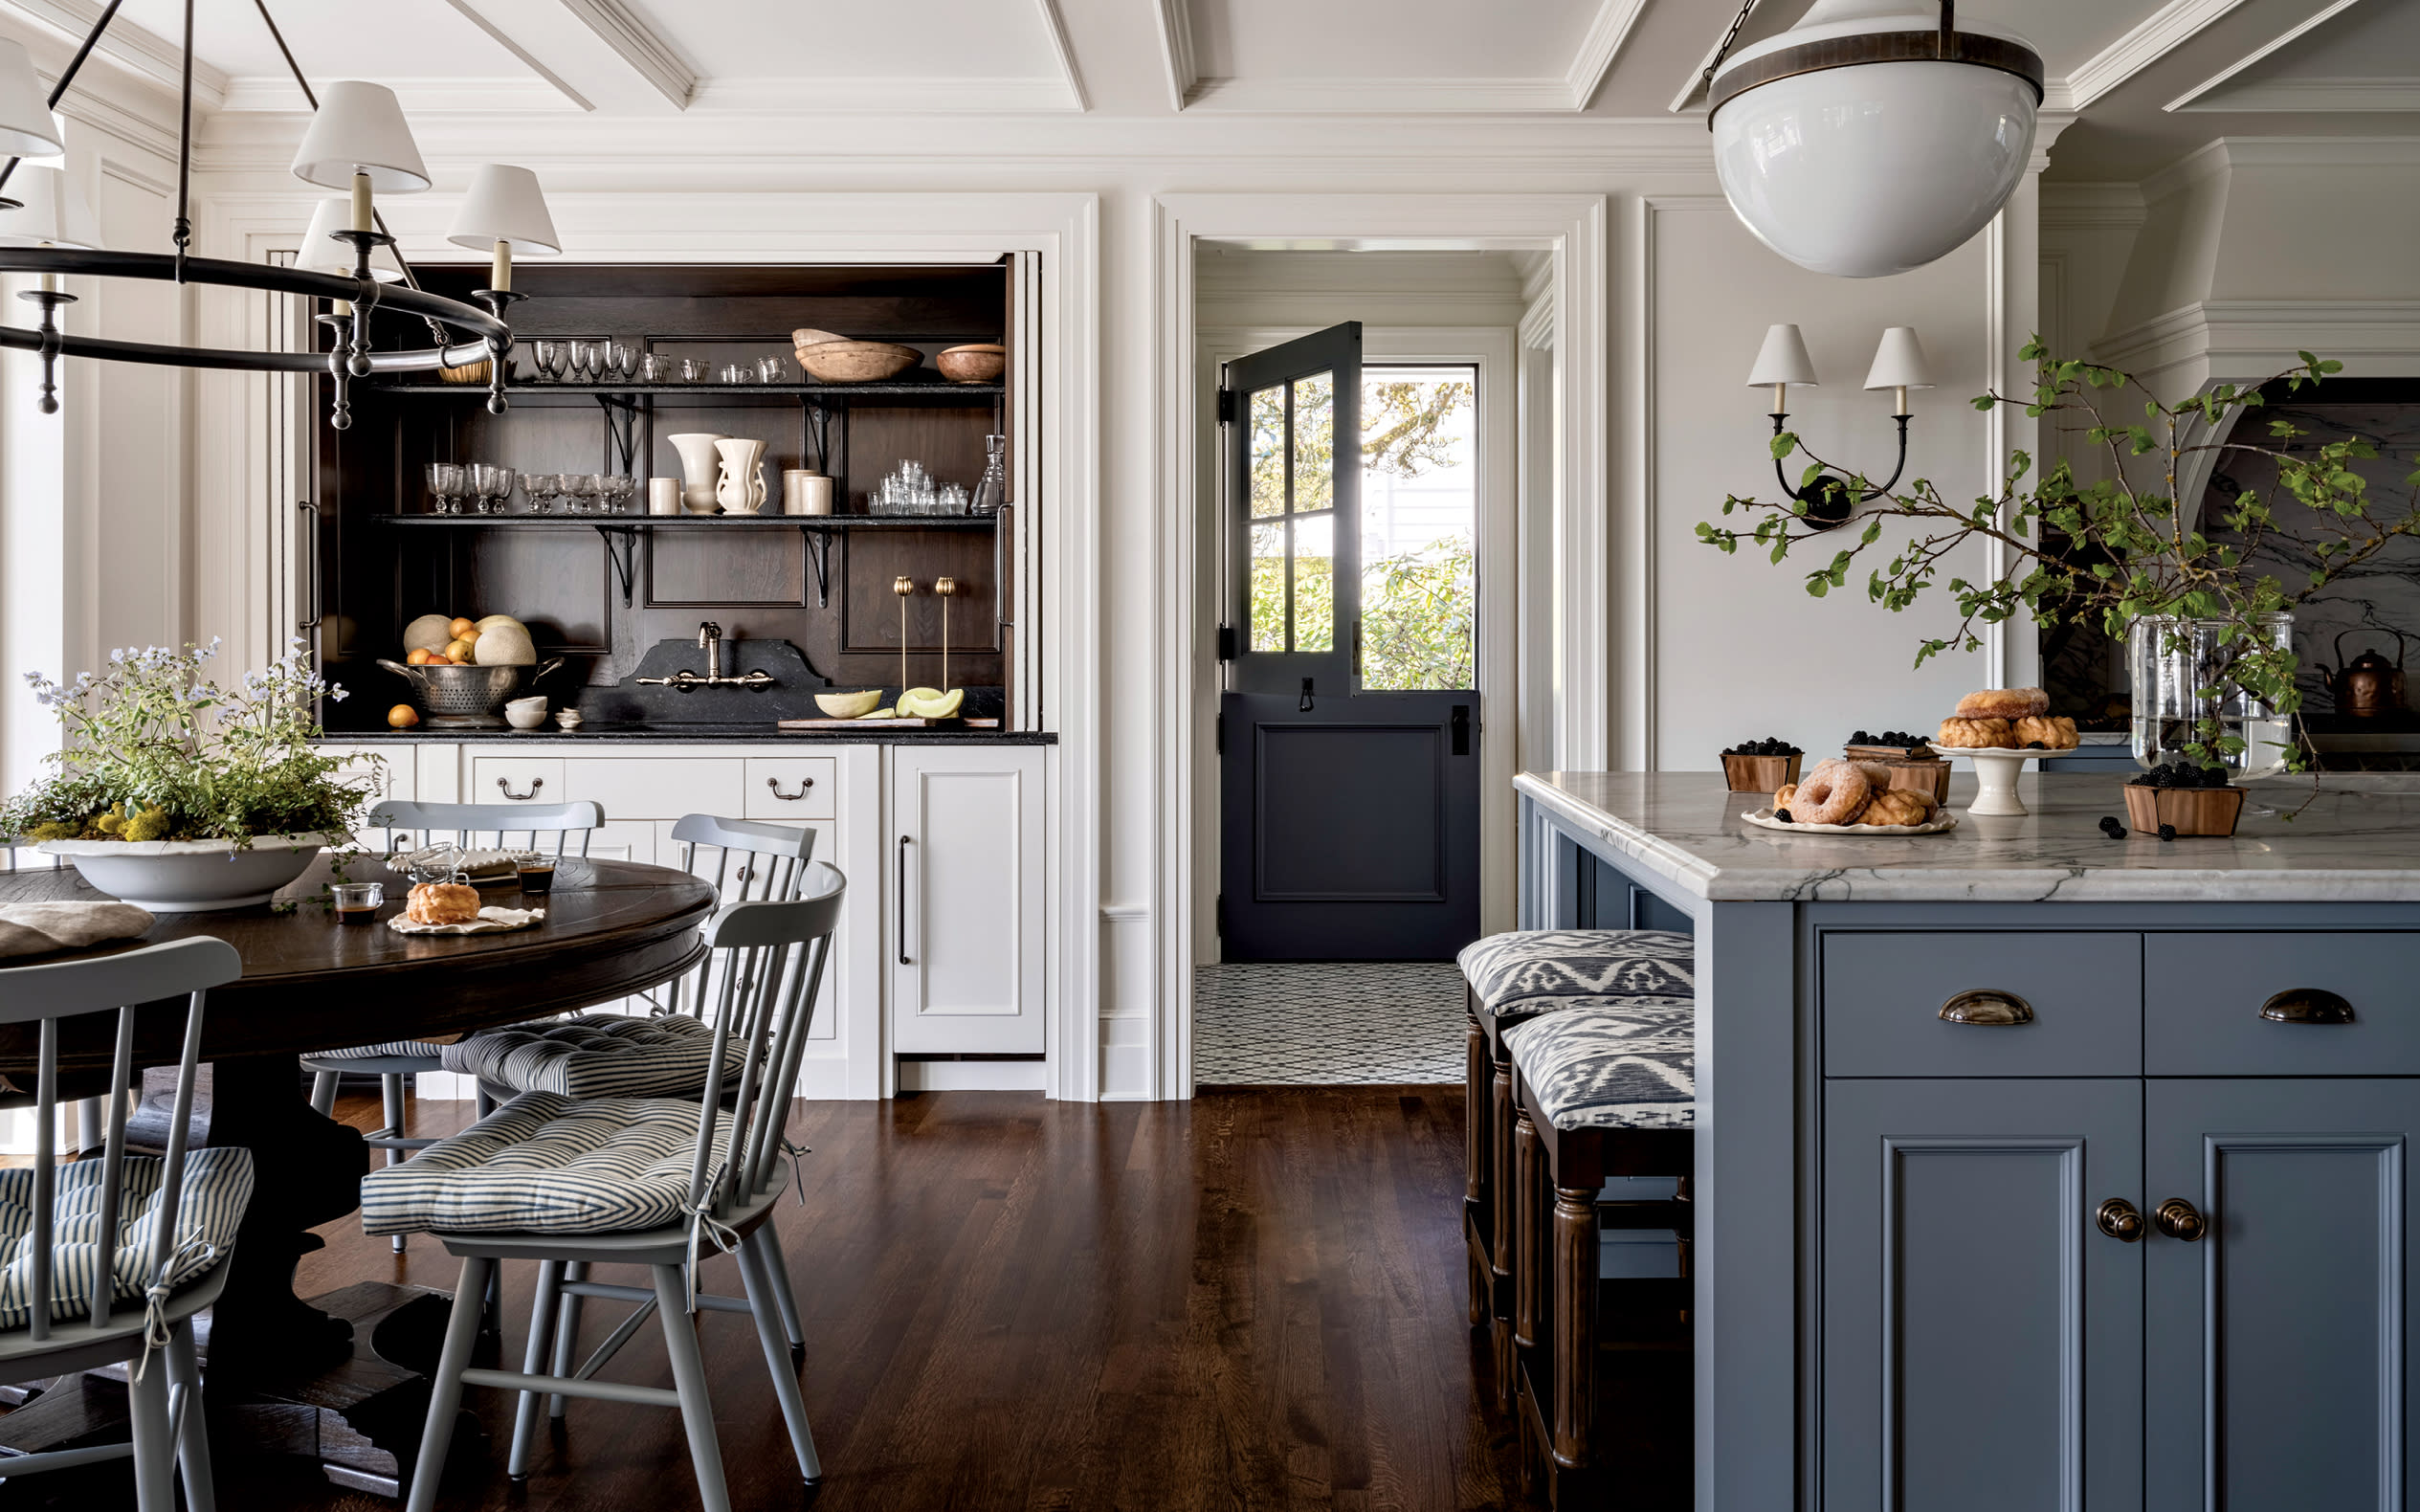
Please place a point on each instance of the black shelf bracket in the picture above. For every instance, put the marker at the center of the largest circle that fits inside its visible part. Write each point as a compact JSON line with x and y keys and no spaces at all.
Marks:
{"x":621,"y":430}
{"x":818,"y":543}
{"x":623,"y":555}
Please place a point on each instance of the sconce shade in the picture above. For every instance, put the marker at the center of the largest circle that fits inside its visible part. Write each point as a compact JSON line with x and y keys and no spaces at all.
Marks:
{"x":1783,"y":359}
{"x":359,"y":127}
{"x":505,"y":204}
{"x":321,"y":253}
{"x":1900,"y":362}
{"x":27,"y":127}
{"x":53,"y":212}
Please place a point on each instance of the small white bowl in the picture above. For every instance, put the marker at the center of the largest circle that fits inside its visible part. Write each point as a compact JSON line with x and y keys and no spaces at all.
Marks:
{"x":569,"y":718}
{"x":521,"y":719}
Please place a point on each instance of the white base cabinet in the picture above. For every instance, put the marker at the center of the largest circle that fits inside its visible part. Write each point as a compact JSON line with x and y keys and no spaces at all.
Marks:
{"x":966,"y":899}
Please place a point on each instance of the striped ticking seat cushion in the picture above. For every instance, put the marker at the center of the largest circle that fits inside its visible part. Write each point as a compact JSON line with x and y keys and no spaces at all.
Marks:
{"x":548,"y":1163}
{"x":425,"y":1050}
{"x":1607,"y":1068}
{"x":1512,"y":974}
{"x":216,"y":1187}
{"x":598,"y":1056}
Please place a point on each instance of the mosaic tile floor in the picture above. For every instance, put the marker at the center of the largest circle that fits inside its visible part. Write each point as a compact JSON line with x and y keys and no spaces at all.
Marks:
{"x":1296,"y":1023}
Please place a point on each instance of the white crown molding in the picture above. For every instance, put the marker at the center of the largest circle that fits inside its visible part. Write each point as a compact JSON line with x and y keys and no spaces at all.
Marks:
{"x":2246,"y":339}
{"x":2212,"y":158}
{"x":2091,"y":207}
{"x":2312,"y":22}
{"x":1176,"y":51}
{"x":1054,"y":28}
{"x":130,"y":47}
{"x":2313,"y":96}
{"x":648,"y":54}
{"x":1381,"y":97}
{"x":2157,"y":34}
{"x":1607,"y":30}
{"x":275,"y":94}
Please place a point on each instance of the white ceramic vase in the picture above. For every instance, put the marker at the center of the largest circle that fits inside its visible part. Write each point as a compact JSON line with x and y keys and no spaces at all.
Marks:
{"x":740,"y":488}
{"x":700,"y":466}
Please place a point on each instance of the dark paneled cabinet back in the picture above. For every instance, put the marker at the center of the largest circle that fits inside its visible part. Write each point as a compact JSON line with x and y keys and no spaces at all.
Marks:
{"x":603,"y":597}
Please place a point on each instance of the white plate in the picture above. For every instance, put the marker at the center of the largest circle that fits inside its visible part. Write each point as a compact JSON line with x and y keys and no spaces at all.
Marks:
{"x":492,"y":920}
{"x":1941,"y":821}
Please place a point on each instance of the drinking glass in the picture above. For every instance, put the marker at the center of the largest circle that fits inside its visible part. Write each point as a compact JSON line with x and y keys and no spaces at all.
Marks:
{"x":583,"y":489}
{"x":547,"y":358}
{"x":622,"y":360}
{"x":536,"y":870}
{"x":733,"y":372}
{"x":695,"y":370}
{"x":656,"y":367}
{"x":769,"y":369}
{"x":617,"y":487}
{"x":534,"y":491}
{"x":356,"y":902}
{"x":445,"y":482}
{"x":496,"y":486}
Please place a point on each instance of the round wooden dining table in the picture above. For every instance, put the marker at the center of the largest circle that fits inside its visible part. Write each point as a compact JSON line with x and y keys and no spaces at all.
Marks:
{"x":612,"y":928}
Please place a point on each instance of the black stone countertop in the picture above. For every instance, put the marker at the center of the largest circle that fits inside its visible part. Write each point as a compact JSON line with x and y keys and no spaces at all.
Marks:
{"x":764,"y":734}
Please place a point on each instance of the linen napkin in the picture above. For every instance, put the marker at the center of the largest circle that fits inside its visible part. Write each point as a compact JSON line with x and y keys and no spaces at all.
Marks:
{"x":40,"y":929}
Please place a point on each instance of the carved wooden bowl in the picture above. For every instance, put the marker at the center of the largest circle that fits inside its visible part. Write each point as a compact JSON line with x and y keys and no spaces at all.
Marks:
{"x":978,"y":362}
{"x":856,"y":362}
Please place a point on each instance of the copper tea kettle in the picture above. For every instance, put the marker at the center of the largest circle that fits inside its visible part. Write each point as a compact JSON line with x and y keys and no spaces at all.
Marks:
{"x":2368,"y":685}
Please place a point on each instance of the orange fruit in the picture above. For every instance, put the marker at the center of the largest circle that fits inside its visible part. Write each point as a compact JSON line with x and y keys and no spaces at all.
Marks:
{"x":462,"y":628}
{"x":420,"y":655}
{"x":403,"y":716}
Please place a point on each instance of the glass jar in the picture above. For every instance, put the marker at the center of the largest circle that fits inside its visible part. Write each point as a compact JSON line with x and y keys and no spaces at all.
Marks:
{"x":2179,"y":669}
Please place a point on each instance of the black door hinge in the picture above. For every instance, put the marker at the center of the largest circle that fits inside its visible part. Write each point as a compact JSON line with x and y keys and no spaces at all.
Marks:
{"x":1227,"y":407}
{"x":1225,"y":642}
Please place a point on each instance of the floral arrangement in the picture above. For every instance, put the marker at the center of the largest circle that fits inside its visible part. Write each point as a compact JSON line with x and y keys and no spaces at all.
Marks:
{"x":2124,"y":548}
{"x":156,"y":752}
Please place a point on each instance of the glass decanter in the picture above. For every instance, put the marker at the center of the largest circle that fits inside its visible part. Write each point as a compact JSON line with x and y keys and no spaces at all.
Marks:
{"x":994,"y":490}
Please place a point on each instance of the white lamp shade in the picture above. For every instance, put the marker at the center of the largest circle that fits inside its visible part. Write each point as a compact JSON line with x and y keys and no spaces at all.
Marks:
{"x":505,"y":204}
{"x":53,"y":212}
{"x":1871,"y":168}
{"x":27,"y":127}
{"x":321,"y":253}
{"x":49,"y":160}
{"x":360,"y":128}
{"x":1899,"y":361}
{"x":1782,"y":359}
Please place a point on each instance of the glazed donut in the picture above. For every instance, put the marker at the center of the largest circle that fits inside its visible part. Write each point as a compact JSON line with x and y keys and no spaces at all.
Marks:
{"x":1974,"y":734}
{"x":1835,"y":792}
{"x":1876,"y":773}
{"x":2055,"y":731}
{"x":2003,"y":703}
{"x":1781,"y":797}
{"x":1899,"y":805}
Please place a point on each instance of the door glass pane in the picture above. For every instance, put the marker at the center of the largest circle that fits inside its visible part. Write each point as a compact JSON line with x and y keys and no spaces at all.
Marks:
{"x":1315,"y":584}
{"x":1314,"y":443}
{"x":1419,"y":527}
{"x":1268,"y":587}
{"x":1268,"y":452}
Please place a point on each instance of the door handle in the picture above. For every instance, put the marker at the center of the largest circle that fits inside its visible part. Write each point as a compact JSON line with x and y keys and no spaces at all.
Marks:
{"x":2178,"y":1220}
{"x":2119,"y":1219}
{"x":505,"y":786}
{"x":1303,"y":706}
{"x":2307,"y":1005}
{"x":1461,"y":730}
{"x":775,"y":782}
{"x":1986,"y":1006}
{"x":903,"y":869}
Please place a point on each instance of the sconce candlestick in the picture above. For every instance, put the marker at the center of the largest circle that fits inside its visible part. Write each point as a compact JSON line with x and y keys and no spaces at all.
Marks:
{"x":1829,"y":497}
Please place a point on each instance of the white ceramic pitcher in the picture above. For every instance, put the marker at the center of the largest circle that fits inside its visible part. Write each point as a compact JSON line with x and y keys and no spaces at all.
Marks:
{"x":699,"y":469}
{"x":741,"y":489}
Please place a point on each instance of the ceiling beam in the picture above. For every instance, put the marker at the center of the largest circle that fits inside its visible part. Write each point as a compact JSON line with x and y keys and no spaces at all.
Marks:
{"x":1055,"y":27}
{"x":141,"y":53}
{"x":2159,"y":33}
{"x":2310,"y":23}
{"x":1607,"y":30}
{"x":634,"y":43}
{"x":1697,"y":81}
{"x":1176,"y":51}
{"x":527,"y":58}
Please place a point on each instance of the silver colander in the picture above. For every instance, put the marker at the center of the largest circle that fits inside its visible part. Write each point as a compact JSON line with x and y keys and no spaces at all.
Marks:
{"x":468,"y":692}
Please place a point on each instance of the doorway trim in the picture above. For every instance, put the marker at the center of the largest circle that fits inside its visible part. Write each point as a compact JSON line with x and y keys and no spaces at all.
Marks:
{"x":1573,"y":228}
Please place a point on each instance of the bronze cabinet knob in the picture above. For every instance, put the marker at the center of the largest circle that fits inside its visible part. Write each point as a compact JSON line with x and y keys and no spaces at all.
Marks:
{"x":2119,"y":1219}
{"x":2179,"y":1219}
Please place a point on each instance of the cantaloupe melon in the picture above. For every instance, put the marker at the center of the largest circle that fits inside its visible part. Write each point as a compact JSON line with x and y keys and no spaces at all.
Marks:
{"x":505,"y":645}
{"x":429,"y":633}
{"x":849,"y":705}
{"x":938,"y":707}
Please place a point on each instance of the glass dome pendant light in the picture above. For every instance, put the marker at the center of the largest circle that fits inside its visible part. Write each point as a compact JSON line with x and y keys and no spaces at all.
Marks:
{"x":358,"y":141}
{"x":1873,"y":136}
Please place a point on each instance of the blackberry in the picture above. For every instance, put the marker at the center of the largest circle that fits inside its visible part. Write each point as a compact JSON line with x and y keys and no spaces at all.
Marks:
{"x":1782,"y":814}
{"x":2167,"y":832}
{"x":2110,"y":826}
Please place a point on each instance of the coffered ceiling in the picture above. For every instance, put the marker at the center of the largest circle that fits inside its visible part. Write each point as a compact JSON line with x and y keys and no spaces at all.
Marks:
{"x":2150,"y":80}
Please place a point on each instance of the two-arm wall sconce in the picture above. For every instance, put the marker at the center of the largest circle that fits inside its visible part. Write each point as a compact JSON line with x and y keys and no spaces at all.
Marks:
{"x":1898,"y":365}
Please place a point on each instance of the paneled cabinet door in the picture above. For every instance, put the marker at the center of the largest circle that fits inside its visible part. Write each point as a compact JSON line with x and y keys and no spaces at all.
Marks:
{"x":1982,"y":1338}
{"x":2280,"y":1340}
{"x":964,"y":893}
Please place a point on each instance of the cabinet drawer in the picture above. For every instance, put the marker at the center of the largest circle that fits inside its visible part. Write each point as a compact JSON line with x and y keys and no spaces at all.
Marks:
{"x":524,"y":779}
{"x":656,"y":787}
{"x":2204,"y":995}
{"x":1884,"y":995}
{"x":789,"y":787}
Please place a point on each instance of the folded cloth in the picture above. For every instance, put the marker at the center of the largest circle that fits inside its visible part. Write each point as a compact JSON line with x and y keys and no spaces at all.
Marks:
{"x":36,"y":928}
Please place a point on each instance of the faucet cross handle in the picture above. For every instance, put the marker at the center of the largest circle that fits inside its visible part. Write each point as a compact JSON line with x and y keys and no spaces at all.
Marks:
{"x":708,"y":634}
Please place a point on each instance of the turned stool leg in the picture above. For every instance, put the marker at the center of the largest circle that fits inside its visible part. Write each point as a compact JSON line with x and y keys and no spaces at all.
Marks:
{"x":1572,"y":1311}
{"x":1474,"y":1100}
{"x":1499,"y":1132}
{"x":1529,"y":1240}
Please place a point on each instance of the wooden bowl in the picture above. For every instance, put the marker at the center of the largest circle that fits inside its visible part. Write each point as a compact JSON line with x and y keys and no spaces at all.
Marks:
{"x":2193,"y":810}
{"x":469,"y":373}
{"x":808,"y":336}
{"x":978,"y":362}
{"x":1763,"y":774}
{"x":856,"y":362}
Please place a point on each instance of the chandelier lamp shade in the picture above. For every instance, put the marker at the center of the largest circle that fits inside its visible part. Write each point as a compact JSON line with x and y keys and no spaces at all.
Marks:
{"x":1899,"y":364}
{"x":359,"y":142}
{"x":1874,"y":136}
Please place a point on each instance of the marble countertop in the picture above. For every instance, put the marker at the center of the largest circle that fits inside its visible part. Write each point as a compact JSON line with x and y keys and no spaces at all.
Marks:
{"x":2357,"y":841}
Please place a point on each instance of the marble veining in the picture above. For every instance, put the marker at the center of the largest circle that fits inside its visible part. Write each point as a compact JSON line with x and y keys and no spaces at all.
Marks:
{"x":2357,"y":841}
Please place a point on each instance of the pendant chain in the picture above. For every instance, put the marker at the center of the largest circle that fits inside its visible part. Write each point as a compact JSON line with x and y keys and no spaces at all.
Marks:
{"x":1728,"y":37}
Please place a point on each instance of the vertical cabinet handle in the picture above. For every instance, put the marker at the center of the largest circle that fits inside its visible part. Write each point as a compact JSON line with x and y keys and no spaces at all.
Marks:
{"x":505,"y":786}
{"x":903,"y":960}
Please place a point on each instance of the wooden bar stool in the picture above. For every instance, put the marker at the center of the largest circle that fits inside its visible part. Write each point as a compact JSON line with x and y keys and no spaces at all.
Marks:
{"x":1605,"y":1104}
{"x":1511,"y":978}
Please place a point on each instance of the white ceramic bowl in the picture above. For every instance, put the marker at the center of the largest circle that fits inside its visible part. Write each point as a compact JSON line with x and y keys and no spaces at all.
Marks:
{"x":525,"y":716}
{"x":190,"y":877}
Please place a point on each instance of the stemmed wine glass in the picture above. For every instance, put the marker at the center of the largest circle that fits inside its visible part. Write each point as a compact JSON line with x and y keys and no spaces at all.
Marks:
{"x":617,"y":489}
{"x":583,"y":491}
{"x":494,"y":486}
{"x":621,"y":359}
{"x":537,"y":489}
{"x":546,"y":357}
{"x":445,"y":486}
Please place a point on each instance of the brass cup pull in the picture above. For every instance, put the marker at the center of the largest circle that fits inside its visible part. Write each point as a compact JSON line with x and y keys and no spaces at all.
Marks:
{"x":1984,"y":1006}
{"x":2179,"y":1219}
{"x":2119,"y":1219}
{"x":2307,"y":1005}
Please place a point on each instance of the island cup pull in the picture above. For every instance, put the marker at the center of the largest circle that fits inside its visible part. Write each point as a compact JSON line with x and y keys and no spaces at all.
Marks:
{"x":2307,"y":1005}
{"x":2119,"y":1219}
{"x":1986,"y":1006}
{"x":505,"y":786}
{"x":775,"y":782}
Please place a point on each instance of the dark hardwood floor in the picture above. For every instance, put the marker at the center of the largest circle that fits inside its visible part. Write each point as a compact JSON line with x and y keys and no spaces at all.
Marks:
{"x":1252,"y":1301}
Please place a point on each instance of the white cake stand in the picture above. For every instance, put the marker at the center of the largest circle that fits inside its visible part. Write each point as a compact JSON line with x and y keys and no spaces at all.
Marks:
{"x":1996,"y":770}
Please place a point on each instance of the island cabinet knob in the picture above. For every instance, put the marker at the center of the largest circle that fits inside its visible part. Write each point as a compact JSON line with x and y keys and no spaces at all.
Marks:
{"x":2119,"y":1219}
{"x":1987,"y":1006}
{"x":2307,"y":1005}
{"x":2179,"y":1219}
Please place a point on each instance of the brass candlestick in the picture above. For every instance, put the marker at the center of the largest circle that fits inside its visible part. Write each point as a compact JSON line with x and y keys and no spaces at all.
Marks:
{"x":903,"y":587}
{"x":946,"y":588}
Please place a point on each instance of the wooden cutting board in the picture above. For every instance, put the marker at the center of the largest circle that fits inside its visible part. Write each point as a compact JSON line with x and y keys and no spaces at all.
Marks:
{"x":952,"y":723}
